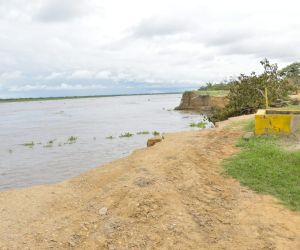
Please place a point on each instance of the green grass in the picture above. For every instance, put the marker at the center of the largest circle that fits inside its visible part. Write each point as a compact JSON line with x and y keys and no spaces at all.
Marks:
{"x":143,"y":133}
{"x":214,"y":92}
{"x":198,"y":125}
{"x":124,"y":135}
{"x":265,"y":167}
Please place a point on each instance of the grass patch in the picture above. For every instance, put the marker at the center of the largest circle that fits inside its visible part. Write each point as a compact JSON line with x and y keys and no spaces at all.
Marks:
{"x":143,"y":133}
{"x":214,"y":92}
{"x":124,"y":135}
{"x":198,"y":124}
{"x":265,"y":167}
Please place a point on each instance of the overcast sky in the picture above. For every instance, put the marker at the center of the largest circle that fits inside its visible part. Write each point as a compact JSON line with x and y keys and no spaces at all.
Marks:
{"x":80,"y":47}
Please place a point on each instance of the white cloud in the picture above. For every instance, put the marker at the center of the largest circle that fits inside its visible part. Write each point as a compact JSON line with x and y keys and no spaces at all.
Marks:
{"x":91,"y":42}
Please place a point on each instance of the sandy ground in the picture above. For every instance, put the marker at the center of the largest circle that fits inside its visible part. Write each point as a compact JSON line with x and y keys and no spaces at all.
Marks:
{"x":170,"y":196}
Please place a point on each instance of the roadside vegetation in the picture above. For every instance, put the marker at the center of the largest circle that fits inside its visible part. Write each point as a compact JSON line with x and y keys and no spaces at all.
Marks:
{"x":266,"y":167}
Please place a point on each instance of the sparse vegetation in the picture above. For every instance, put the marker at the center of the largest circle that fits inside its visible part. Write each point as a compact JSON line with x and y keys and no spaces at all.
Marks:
{"x":110,"y":137}
{"x":49,"y":144}
{"x":143,"y":133}
{"x":28,"y":144}
{"x":124,"y":135}
{"x":198,"y":124}
{"x":155,"y":133}
{"x":72,"y":139}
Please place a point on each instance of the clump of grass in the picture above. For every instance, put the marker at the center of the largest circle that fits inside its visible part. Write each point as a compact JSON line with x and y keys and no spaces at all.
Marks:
{"x":72,"y":139}
{"x":155,"y":133}
{"x":110,"y":137}
{"x":265,"y":167}
{"x":143,"y":133}
{"x":198,"y":124}
{"x":127,"y":134}
{"x":28,"y":144}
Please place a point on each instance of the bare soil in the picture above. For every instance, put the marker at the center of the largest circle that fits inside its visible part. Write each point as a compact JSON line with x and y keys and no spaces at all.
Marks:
{"x":169,"y":196}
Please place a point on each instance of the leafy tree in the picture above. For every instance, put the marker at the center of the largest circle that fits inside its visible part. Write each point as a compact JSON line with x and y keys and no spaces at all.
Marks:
{"x":247,"y":93}
{"x":292,"y":74}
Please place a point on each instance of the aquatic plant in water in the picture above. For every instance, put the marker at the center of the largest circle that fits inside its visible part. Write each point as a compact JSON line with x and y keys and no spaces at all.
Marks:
{"x":50,"y":143}
{"x":110,"y":137}
{"x":156,"y":133}
{"x":72,"y":139}
{"x":28,"y":144}
{"x":127,"y":134}
{"x":143,"y":133}
{"x":198,"y":125}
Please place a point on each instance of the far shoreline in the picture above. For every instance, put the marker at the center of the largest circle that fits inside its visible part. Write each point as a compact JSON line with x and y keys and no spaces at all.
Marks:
{"x":34,"y":99}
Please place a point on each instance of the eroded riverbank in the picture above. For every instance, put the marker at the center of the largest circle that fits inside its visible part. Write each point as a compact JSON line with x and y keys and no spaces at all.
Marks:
{"x":170,"y":196}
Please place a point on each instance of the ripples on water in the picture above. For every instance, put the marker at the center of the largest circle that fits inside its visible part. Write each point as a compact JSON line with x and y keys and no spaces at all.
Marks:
{"x":91,"y":121}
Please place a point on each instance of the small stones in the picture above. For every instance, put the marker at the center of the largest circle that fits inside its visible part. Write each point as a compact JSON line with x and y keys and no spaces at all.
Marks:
{"x":103,"y":211}
{"x":248,"y":135}
{"x":143,"y":182}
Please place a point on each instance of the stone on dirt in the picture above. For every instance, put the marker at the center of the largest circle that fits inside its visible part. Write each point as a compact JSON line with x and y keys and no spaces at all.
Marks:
{"x":103,"y":211}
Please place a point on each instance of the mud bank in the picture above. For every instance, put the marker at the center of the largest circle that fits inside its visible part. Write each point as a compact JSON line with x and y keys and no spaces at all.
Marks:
{"x":169,"y":196}
{"x":196,"y":101}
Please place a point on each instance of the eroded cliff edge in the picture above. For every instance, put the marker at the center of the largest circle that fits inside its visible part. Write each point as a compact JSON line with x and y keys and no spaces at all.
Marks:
{"x":197,"y":101}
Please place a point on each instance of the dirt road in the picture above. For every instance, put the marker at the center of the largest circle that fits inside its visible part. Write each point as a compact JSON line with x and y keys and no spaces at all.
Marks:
{"x":170,"y":196}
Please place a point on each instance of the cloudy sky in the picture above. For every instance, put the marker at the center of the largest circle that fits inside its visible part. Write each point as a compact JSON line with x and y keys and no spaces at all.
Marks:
{"x":83,"y":47}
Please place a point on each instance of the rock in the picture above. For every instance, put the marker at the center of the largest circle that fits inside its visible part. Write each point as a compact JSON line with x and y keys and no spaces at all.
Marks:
{"x":248,"y":135}
{"x":103,"y":211}
{"x":152,"y":141}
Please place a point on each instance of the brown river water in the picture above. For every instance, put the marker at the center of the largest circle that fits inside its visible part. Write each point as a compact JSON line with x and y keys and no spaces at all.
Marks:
{"x":90,"y":120}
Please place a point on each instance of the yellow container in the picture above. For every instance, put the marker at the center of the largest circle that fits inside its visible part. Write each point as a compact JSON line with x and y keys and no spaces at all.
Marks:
{"x":276,"y":121}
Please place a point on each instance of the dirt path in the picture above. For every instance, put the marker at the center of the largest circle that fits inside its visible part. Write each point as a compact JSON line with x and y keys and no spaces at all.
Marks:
{"x":170,"y":196}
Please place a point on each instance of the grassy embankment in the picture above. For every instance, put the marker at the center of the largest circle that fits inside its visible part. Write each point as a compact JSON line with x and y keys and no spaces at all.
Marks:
{"x":213,"y":92}
{"x":266,"y":167}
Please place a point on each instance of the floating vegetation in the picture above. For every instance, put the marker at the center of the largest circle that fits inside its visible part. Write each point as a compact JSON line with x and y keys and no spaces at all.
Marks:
{"x":10,"y":151}
{"x":110,"y":137}
{"x":72,"y":139}
{"x":155,"y":133}
{"x":28,"y":144}
{"x":198,"y":125}
{"x":143,"y":133}
{"x":125,"y":135}
{"x":50,"y":143}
